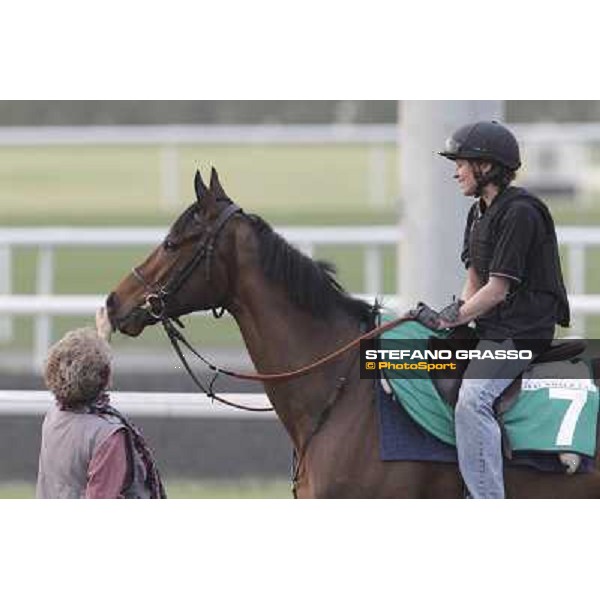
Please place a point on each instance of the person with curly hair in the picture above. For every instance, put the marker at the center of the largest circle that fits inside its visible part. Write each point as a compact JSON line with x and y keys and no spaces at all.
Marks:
{"x":89,"y":449}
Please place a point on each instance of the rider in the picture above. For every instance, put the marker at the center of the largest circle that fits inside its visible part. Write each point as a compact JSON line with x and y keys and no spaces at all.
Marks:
{"x":88,"y":449}
{"x":514,"y":289}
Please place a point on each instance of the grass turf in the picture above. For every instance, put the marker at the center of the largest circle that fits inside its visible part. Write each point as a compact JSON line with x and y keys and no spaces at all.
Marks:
{"x":185,"y":489}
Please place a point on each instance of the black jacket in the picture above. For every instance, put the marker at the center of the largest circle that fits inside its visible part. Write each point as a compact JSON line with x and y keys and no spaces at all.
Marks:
{"x":515,"y":237}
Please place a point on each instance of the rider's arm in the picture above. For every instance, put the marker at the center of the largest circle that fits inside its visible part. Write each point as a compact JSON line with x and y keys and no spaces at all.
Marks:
{"x":490,"y":295}
{"x":472,"y":285}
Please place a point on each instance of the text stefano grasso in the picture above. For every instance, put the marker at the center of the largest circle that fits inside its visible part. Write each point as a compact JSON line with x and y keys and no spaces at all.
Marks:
{"x":499,"y":354}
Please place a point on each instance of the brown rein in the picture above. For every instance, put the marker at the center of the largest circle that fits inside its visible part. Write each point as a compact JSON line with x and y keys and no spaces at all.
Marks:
{"x":307,"y":368}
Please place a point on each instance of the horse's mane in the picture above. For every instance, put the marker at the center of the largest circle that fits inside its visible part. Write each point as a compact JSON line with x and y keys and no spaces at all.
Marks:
{"x":310,"y":285}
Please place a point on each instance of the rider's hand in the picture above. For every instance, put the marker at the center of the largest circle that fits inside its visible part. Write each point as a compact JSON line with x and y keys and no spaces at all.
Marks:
{"x":450,"y":315}
{"x":103,"y":326}
{"x":426,"y":315}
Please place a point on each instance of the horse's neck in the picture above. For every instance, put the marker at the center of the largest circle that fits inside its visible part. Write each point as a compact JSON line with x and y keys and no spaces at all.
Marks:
{"x":280,"y":338}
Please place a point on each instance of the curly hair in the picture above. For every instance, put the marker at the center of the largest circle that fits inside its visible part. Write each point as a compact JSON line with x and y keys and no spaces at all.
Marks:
{"x":499,"y":175}
{"x":78,"y":367}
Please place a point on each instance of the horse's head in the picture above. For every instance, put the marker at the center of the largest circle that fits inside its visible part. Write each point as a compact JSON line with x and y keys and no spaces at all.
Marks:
{"x":187,"y":272}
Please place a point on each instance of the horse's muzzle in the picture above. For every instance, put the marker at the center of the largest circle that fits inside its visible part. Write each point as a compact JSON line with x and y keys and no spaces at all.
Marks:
{"x":131,"y":323}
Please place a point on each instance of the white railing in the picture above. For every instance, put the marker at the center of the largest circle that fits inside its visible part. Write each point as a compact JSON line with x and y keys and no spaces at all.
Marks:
{"x":240,"y":134}
{"x":372,"y":238}
{"x":143,"y":404}
{"x":47,"y":239}
{"x":44,"y":304}
{"x":146,"y":135}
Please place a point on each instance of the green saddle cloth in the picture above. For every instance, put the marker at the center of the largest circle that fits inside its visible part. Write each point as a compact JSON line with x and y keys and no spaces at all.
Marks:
{"x":549,"y":415}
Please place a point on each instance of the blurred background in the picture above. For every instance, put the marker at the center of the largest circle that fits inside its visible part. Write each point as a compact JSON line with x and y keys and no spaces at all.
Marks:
{"x":87,"y":188}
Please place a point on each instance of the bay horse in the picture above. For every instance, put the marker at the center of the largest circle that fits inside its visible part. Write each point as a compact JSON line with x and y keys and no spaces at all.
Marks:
{"x":291,"y":311}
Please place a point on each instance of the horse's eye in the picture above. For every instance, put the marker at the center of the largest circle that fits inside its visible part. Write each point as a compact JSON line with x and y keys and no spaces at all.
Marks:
{"x":169,"y":246}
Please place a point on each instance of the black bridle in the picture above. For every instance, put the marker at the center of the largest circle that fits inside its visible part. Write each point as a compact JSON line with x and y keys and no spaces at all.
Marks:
{"x":158,"y":295}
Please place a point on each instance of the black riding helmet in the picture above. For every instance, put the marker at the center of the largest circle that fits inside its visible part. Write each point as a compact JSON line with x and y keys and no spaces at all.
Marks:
{"x":484,"y":140}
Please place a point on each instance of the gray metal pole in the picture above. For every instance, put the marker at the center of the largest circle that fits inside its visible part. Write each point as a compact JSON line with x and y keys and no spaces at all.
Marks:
{"x":433,"y":209}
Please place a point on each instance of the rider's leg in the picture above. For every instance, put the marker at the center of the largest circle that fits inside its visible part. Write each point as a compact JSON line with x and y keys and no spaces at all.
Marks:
{"x":478,"y":437}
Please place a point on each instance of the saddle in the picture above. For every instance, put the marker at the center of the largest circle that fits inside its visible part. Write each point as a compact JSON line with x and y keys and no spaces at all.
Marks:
{"x":464,"y":338}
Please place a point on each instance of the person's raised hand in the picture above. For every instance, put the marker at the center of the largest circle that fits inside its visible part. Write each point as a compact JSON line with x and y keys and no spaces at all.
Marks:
{"x":103,"y":326}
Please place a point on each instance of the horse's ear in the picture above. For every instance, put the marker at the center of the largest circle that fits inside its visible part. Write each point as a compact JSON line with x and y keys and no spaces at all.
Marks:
{"x":216,"y":188}
{"x":199,"y":186}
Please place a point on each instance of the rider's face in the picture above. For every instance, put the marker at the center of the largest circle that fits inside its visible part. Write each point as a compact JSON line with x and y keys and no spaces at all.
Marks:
{"x":465,"y":176}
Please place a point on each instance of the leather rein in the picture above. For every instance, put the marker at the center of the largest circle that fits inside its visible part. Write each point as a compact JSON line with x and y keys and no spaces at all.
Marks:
{"x":157,"y":297}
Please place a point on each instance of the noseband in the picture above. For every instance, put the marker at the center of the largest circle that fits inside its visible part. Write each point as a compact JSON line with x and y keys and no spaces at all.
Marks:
{"x":157,"y":296}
